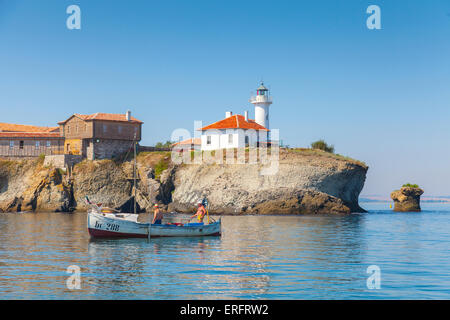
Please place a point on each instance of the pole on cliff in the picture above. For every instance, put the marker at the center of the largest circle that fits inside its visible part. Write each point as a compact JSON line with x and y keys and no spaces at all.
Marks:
{"x":134,"y":173}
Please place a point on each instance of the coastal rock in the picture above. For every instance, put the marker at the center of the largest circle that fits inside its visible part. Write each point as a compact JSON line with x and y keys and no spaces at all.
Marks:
{"x":304,"y":183}
{"x":307,"y":182}
{"x":28,"y":186}
{"x":103,"y":181}
{"x":407,"y":199}
{"x":280,"y":202}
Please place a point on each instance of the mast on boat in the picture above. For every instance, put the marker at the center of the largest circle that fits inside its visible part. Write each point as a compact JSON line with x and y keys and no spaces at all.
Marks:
{"x":134,"y":173}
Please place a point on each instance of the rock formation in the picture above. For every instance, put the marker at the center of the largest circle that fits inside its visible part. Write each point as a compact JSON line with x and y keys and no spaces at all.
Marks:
{"x":407,"y":199}
{"x":305,"y":183}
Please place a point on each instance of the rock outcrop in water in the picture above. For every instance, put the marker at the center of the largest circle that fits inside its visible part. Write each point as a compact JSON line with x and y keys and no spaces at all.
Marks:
{"x":407,"y":199}
{"x":306,"y":183}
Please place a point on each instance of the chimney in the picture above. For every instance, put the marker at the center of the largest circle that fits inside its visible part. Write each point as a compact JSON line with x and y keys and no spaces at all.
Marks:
{"x":228,"y":114}
{"x":246,"y":115}
{"x":128,"y":115}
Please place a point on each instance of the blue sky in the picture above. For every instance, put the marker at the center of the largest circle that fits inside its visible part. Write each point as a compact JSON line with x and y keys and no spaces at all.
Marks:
{"x":381,"y":96}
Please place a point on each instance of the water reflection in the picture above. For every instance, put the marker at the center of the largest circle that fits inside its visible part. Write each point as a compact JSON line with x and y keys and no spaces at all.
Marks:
{"x":258,"y":257}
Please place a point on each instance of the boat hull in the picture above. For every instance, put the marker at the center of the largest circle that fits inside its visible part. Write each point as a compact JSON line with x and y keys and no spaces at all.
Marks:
{"x":163,"y":230}
{"x":102,"y":225}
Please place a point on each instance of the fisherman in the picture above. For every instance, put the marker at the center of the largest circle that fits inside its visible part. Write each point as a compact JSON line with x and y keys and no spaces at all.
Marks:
{"x":157,"y":216}
{"x":201,"y":211}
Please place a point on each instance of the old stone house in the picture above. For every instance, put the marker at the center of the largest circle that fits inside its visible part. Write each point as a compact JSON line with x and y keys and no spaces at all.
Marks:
{"x":25,"y":141}
{"x":100,"y":135}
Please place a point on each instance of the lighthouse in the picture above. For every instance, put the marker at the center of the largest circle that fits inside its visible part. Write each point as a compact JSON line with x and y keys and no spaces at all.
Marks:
{"x":262,"y":102}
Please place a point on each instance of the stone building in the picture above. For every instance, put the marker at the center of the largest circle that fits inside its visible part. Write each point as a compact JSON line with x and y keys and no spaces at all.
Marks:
{"x":25,"y":141}
{"x":100,"y":135}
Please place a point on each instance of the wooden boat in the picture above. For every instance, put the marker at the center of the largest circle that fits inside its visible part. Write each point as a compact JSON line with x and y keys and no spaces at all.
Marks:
{"x":120,"y":225}
{"x":106,"y":222}
{"x":186,"y":230}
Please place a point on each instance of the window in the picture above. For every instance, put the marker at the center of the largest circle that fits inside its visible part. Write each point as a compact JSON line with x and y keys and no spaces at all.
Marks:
{"x":21,"y":145}
{"x":11,"y":144}
{"x":119,"y":129}
{"x":49,"y":144}
{"x":68,"y":129}
{"x":38,"y":144}
{"x":230,"y":138}
{"x":105,"y":128}
{"x":208,"y":140}
{"x":246,"y":140}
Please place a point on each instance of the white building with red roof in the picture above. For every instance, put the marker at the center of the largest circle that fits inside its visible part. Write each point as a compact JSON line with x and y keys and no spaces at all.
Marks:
{"x":238,"y":131}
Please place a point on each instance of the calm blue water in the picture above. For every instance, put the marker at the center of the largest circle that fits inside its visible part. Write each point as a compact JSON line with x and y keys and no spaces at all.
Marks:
{"x":258,"y":257}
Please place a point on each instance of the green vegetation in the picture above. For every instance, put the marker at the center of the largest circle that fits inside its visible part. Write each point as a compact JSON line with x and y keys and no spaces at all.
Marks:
{"x":322,"y":145}
{"x":321,"y":153}
{"x":160,"y":167}
{"x":409,"y":185}
{"x":166,"y":144}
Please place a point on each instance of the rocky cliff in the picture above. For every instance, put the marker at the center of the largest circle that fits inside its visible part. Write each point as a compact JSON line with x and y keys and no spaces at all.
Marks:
{"x":407,"y":199}
{"x":306,"y":182}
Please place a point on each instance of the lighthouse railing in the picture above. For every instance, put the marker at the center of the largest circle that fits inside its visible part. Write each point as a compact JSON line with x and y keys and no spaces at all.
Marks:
{"x":260,"y":99}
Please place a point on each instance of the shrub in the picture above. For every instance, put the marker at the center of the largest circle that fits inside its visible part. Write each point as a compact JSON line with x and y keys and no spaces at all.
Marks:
{"x":322,"y":145}
{"x":409,"y":185}
{"x":166,"y":144}
{"x":161,"y":166}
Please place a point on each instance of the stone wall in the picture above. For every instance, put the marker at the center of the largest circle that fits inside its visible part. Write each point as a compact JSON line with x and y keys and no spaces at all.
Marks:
{"x":62,"y":161}
{"x":107,"y":149}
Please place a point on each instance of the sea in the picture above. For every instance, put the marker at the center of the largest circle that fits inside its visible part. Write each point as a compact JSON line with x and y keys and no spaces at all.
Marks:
{"x":380,"y":254}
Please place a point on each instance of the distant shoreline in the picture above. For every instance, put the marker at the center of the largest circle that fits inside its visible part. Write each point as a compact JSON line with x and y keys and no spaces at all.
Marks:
{"x":429,"y":199}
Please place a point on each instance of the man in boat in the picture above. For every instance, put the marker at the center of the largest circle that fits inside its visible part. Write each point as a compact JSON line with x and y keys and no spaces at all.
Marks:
{"x":201,"y":211}
{"x":157,"y":216}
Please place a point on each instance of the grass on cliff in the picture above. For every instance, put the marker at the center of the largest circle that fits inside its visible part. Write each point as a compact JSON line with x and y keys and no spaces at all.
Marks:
{"x":321,"y":153}
{"x":409,"y":185}
{"x":158,"y":160}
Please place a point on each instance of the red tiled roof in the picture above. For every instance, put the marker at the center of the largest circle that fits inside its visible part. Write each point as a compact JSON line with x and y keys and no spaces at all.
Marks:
{"x":30,"y":135}
{"x":194,"y":141}
{"x":9,"y":127}
{"x":236,"y":121}
{"x":103,"y":116}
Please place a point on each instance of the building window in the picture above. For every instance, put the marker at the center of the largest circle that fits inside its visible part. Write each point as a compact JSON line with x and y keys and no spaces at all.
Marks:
{"x":246,"y":140}
{"x":105,"y":128}
{"x":119,"y":128}
{"x":49,"y":144}
{"x":208,"y":140}
{"x":11,"y":144}
{"x":38,"y":144}
{"x":230,"y":138}
{"x":21,"y":145}
{"x":68,"y":129}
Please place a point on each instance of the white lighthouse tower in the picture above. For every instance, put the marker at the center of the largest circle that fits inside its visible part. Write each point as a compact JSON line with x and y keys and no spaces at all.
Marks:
{"x":262,"y":101}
